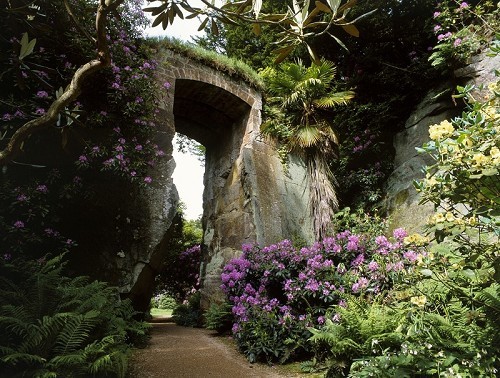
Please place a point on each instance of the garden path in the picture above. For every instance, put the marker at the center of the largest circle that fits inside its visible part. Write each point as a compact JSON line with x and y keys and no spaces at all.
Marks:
{"x":181,"y":352}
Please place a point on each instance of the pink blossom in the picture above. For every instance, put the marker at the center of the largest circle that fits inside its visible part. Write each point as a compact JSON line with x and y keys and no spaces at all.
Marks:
{"x":19,"y":224}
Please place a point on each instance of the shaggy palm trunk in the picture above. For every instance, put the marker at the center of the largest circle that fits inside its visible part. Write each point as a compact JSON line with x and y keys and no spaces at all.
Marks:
{"x":323,"y":198}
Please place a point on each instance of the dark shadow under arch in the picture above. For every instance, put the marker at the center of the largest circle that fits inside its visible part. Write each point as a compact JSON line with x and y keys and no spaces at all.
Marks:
{"x":205,"y":112}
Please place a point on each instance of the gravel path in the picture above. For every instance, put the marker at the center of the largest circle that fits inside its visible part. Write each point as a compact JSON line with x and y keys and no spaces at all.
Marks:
{"x":177,"y":352}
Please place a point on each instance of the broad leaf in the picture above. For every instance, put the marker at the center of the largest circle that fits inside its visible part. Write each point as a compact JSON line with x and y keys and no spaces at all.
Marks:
{"x":27,"y":46}
{"x":351,"y":29}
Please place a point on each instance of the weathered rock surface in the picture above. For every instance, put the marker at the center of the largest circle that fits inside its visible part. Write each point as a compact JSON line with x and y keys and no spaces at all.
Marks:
{"x":248,"y":198}
{"x":402,"y":200}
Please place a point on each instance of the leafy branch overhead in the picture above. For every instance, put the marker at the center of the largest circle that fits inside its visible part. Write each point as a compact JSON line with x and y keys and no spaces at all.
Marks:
{"x":73,"y":90}
{"x":301,"y":22}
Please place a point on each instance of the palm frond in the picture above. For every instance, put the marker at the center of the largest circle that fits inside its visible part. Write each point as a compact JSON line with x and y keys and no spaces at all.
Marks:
{"x":333,"y":99}
{"x":306,"y":136}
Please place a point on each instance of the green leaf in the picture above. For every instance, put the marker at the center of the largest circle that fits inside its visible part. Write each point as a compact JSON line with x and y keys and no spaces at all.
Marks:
{"x":490,"y":172}
{"x":27,"y":46}
{"x":334,"y":5}
{"x":203,"y":24}
{"x":323,"y":7}
{"x":285,"y":51}
{"x":257,"y":30}
{"x":426,"y":272}
{"x":469,"y":273}
{"x":315,"y":58}
{"x":339,"y":42}
{"x":351,"y":29}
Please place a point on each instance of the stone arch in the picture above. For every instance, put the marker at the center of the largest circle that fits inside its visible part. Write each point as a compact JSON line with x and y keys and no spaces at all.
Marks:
{"x":248,"y":197}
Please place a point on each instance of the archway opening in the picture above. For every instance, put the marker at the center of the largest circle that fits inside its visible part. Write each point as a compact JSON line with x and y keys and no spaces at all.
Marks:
{"x":217,"y":120}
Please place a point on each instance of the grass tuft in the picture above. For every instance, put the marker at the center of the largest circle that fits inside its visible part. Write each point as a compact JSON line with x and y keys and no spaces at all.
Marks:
{"x":230,"y":66}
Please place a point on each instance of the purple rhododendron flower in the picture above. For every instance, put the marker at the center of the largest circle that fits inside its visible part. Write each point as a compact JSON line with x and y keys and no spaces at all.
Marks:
{"x":19,"y":224}
{"x":400,"y":233}
{"x":373,"y":266}
{"x":22,"y":197}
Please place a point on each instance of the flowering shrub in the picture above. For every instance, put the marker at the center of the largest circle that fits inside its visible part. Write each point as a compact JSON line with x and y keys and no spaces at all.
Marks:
{"x":463,"y":183}
{"x":461,"y":28}
{"x":29,"y":224}
{"x":120,"y":101}
{"x":180,"y":276}
{"x":442,"y":320}
{"x":278,"y":291}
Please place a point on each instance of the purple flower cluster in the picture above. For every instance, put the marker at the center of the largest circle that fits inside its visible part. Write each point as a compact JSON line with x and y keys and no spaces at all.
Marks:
{"x":298,"y":284}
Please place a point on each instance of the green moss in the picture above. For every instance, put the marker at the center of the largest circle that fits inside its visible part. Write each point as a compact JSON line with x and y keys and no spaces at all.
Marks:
{"x":230,"y":66}
{"x":401,"y":197}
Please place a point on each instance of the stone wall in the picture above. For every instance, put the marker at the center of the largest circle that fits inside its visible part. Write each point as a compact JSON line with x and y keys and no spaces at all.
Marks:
{"x":248,"y":198}
{"x":402,"y":200}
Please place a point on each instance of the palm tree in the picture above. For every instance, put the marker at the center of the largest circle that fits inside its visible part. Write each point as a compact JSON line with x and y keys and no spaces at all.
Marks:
{"x":298,"y":98}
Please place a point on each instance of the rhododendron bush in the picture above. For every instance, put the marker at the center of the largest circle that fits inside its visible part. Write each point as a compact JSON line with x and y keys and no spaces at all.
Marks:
{"x":278,"y":291}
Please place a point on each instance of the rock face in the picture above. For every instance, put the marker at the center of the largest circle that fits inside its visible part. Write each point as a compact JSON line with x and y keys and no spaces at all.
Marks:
{"x":402,"y":200}
{"x":248,"y":198}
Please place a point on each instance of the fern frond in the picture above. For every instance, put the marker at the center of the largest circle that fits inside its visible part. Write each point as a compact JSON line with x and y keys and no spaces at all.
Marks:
{"x":74,"y":333}
{"x":10,"y":325}
{"x":490,"y":298}
{"x":41,"y":334}
{"x":20,"y":358}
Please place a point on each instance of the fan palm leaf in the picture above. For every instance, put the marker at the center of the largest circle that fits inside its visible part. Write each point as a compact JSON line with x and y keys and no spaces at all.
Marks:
{"x":333,"y":99}
{"x":306,"y":136}
{"x":300,"y":92}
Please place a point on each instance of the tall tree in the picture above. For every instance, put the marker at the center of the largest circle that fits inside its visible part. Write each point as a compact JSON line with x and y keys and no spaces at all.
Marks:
{"x":299,"y":97}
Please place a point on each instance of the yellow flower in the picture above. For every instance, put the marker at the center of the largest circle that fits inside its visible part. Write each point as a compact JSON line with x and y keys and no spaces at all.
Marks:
{"x":494,"y":87}
{"x":416,"y":239}
{"x":439,"y":218}
{"x":419,"y":301}
{"x":480,"y":159}
{"x":450,"y":217}
{"x":495,"y":153}
{"x":472,"y":221}
{"x":467,"y":142}
{"x":431,"y":181}
{"x":442,"y":130}
{"x":490,"y":113}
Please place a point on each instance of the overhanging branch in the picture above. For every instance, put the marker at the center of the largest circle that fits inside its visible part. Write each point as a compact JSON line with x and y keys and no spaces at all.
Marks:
{"x":73,"y":90}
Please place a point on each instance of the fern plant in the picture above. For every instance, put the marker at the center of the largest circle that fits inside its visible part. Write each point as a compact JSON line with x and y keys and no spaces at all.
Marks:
{"x":56,"y":326}
{"x":360,"y":329}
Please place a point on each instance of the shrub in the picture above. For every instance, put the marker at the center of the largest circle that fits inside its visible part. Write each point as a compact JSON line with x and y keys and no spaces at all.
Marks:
{"x":278,"y":291}
{"x":442,"y":318}
{"x":219,"y":317}
{"x":163,"y":301}
{"x":461,"y":29}
{"x":189,"y":313}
